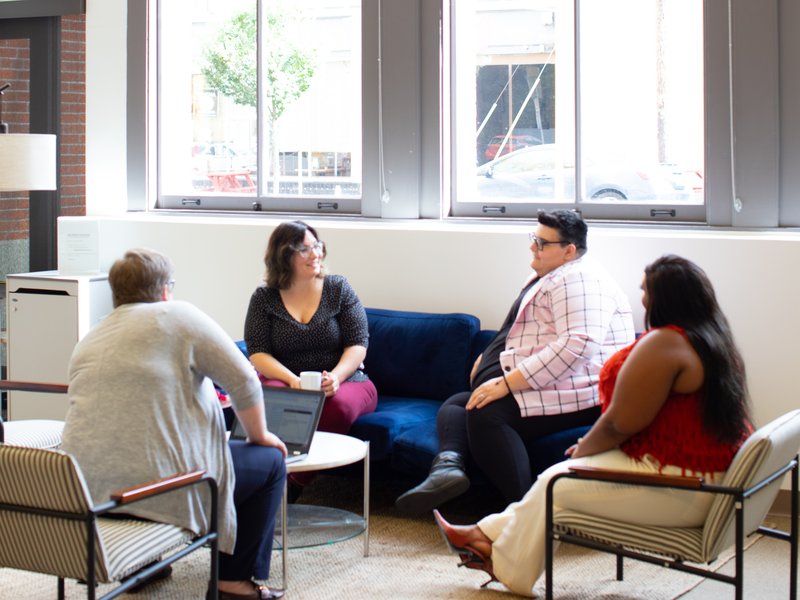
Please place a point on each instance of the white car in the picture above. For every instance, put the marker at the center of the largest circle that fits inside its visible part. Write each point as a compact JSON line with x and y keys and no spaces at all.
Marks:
{"x":531,"y":174}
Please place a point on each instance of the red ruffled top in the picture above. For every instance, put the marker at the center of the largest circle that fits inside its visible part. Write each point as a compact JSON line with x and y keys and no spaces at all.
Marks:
{"x":676,"y":436}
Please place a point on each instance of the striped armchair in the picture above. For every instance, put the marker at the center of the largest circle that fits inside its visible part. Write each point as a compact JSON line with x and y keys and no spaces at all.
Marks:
{"x":741,"y":503}
{"x":33,"y":433}
{"x":49,"y":524}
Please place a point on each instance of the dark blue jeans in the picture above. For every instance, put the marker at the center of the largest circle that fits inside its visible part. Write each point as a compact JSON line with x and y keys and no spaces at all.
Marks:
{"x":260,"y":474}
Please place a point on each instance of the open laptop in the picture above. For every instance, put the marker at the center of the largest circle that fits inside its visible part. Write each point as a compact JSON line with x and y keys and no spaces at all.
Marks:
{"x":292,"y":415}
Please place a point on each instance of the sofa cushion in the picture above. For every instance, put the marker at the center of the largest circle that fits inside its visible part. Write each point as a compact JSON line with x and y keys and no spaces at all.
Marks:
{"x":392,"y":417}
{"x":420,"y":355}
{"x":415,"y":448}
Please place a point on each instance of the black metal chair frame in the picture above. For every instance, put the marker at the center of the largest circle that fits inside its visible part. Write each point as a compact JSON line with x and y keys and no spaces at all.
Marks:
{"x":740,"y":495}
{"x":127,"y":497}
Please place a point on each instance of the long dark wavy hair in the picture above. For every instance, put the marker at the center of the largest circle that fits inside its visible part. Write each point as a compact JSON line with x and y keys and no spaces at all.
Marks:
{"x":680,"y":293}
{"x":285,"y":240}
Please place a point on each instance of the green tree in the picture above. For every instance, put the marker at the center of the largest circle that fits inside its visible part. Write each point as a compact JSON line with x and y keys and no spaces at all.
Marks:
{"x":231,"y":66}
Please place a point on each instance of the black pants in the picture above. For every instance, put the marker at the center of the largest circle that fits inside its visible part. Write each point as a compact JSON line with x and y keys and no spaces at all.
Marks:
{"x":496,"y":438}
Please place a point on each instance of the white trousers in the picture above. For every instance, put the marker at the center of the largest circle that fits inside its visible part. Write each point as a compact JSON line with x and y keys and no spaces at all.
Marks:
{"x":518,"y":533}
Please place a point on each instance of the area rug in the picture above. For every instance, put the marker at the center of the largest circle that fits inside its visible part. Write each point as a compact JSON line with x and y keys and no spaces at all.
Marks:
{"x":407,"y":560}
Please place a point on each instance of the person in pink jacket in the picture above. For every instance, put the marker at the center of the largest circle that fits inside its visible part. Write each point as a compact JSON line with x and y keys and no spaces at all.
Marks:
{"x":538,"y":375}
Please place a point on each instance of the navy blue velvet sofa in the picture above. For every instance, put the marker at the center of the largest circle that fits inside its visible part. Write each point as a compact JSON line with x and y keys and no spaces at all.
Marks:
{"x":417,"y":360}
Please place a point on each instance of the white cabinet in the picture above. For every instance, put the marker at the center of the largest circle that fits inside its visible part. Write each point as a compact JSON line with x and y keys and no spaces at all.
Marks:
{"x":47,"y":314}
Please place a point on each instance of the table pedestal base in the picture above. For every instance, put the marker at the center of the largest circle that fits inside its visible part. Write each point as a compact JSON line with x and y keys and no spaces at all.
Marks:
{"x":310,"y":526}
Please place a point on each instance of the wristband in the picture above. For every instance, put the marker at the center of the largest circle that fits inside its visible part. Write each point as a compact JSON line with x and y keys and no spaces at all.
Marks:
{"x":508,"y":387}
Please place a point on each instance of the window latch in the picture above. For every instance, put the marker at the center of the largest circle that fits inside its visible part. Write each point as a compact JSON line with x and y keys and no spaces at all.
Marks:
{"x":662,"y":212}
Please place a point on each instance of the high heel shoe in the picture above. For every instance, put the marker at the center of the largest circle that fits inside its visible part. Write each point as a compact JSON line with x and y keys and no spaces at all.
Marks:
{"x":459,"y":544}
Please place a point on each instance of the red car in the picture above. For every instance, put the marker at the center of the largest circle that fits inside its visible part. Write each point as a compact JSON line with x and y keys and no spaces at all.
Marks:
{"x":514,"y":142}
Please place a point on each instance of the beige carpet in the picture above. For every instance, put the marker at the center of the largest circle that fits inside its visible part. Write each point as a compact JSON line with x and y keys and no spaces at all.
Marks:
{"x":407,"y":559}
{"x":766,"y":570}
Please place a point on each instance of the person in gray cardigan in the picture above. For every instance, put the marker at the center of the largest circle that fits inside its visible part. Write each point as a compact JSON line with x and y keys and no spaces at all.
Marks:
{"x":142,"y":405}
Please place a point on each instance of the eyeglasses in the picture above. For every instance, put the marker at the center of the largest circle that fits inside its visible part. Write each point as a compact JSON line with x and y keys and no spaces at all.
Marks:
{"x":305,"y":251}
{"x":171,"y":285}
{"x":540,"y":243}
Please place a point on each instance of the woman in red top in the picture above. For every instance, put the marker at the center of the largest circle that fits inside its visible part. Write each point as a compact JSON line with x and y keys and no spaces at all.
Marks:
{"x":674,"y":402}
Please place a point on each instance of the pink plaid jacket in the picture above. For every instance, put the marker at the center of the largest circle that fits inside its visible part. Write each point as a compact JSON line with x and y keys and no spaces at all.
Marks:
{"x":569,"y":323}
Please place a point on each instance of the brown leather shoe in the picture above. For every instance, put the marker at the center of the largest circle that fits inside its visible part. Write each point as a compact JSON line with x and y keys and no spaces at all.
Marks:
{"x":259,"y":593}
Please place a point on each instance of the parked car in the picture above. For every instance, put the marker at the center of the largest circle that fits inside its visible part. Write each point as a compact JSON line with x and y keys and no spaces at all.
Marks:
{"x":686,"y":178}
{"x":531,"y":174}
{"x":514,"y":142}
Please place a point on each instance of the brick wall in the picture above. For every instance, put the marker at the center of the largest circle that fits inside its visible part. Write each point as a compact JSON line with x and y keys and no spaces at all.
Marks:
{"x":72,"y":142}
{"x":14,"y":68}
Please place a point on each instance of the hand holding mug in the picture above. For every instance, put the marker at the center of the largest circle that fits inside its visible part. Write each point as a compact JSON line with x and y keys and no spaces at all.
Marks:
{"x":330,"y":383}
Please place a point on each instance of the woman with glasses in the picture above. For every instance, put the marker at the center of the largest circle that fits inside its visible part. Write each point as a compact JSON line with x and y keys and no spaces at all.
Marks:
{"x":305,"y":320}
{"x":538,"y":375}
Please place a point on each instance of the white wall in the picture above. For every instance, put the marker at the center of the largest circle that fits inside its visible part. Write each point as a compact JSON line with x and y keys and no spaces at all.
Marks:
{"x":479,"y":269}
{"x":430,"y":265}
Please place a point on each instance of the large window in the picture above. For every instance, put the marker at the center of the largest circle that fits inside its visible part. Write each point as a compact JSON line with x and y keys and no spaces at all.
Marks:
{"x":600,"y":108}
{"x":259,"y":105}
{"x":629,"y":110}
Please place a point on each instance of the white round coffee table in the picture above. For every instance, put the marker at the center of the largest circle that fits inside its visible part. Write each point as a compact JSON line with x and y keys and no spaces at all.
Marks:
{"x":328,"y":451}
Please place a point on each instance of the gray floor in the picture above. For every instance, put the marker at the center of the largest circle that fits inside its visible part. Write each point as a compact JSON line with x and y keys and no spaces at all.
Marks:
{"x":766,"y":572}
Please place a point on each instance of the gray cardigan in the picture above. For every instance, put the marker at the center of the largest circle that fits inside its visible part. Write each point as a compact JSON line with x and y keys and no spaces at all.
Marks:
{"x":142,"y":406}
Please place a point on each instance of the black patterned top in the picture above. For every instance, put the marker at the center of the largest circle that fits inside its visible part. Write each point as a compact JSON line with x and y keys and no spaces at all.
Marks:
{"x":340,"y":322}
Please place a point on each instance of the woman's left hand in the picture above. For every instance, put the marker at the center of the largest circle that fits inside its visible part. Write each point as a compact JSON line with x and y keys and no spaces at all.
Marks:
{"x":330,"y":383}
{"x":488,"y":392}
{"x":570,"y":452}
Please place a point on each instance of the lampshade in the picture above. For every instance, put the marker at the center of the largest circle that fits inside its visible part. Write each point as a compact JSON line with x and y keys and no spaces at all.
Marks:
{"x":27,"y":162}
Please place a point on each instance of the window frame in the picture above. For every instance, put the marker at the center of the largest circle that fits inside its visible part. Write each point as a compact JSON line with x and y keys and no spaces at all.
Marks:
{"x":236,"y":203}
{"x":407,"y":120}
{"x":719,"y":173}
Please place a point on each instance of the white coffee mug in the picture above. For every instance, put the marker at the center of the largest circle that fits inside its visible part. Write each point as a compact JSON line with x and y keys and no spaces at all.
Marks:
{"x":310,"y":380}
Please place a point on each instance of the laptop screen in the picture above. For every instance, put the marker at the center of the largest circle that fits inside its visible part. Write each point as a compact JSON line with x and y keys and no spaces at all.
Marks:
{"x":292,"y":415}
